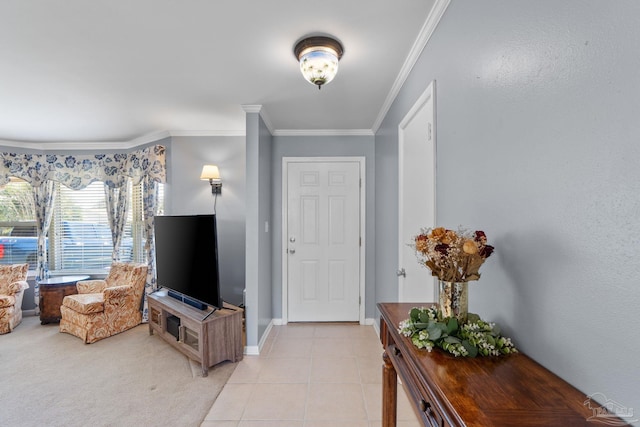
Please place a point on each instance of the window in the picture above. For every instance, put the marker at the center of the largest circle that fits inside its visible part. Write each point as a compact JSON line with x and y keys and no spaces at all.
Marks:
{"x":18,"y":239}
{"x":79,"y":236}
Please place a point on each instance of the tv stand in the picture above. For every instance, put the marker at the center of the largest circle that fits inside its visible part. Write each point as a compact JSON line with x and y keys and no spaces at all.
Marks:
{"x":214,"y":339}
{"x":213,"y":310}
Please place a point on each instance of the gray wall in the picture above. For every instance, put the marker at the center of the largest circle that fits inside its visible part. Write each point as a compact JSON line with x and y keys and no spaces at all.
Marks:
{"x":258,"y":241}
{"x":265,"y":173}
{"x":186,"y":194}
{"x":323,"y":146}
{"x":537,"y":144}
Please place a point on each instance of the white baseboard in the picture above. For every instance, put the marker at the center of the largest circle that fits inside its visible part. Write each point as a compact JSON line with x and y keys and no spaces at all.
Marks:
{"x":376,"y":327}
{"x":253,"y":350}
{"x":280,"y":322}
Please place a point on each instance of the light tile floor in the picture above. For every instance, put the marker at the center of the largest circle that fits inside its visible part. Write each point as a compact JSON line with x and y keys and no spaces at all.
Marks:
{"x":309,"y":375}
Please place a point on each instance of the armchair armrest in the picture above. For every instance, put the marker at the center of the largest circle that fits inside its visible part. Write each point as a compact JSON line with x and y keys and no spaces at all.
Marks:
{"x":117,"y":292}
{"x":91,"y":286}
{"x":18,"y":286}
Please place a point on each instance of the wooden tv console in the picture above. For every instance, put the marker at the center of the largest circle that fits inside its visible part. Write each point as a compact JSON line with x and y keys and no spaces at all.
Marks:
{"x":208,"y":341}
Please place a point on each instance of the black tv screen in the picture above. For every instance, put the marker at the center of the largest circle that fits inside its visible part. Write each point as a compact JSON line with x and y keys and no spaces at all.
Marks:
{"x":187,"y":256}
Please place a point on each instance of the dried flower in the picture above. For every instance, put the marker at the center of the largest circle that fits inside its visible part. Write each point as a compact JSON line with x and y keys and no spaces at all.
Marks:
{"x":479,"y":236}
{"x":452,"y":256}
{"x":469,"y":247}
{"x":437,"y":233}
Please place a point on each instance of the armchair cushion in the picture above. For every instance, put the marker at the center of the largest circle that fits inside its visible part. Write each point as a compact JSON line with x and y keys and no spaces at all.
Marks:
{"x":85,"y":303}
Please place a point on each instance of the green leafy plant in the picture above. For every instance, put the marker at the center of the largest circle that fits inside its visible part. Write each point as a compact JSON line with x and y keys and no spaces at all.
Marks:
{"x":427,"y":328}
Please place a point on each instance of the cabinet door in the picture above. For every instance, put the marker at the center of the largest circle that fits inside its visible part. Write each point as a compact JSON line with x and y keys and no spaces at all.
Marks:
{"x":190,"y":335}
{"x":155,"y":316}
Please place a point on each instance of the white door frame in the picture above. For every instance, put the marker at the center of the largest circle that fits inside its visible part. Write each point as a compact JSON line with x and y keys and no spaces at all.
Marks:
{"x":285,"y":258}
{"x":427,"y":96}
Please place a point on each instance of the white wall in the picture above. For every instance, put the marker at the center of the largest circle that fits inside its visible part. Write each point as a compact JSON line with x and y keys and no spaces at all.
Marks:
{"x":538,"y":145}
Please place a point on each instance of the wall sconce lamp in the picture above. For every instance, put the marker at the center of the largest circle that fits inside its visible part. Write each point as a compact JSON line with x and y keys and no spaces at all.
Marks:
{"x":212,"y":174}
{"x":318,"y":57}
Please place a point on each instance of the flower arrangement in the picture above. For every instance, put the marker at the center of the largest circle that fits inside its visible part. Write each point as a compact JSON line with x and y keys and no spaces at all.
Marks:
{"x":452,"y":256}
{"x":428,"y":329}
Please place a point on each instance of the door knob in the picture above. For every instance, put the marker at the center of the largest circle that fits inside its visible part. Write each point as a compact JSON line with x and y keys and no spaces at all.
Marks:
{"x":401,"y":272}
{"x":292,"y":251}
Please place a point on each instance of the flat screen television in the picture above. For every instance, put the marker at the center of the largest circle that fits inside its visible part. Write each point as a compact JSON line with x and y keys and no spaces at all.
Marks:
{"x":187,"y":259}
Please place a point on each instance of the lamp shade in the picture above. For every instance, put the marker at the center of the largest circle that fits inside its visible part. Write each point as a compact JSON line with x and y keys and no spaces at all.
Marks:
{"x":210,"y":172}
{"x":318,"y":58}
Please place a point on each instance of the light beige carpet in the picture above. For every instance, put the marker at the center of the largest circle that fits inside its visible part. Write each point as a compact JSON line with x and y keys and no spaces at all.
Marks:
{"x":48,"y":378}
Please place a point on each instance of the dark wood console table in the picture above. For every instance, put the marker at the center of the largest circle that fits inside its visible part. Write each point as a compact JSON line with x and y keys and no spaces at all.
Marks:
{"x":52,"y":292}
{"x":511,"y":390}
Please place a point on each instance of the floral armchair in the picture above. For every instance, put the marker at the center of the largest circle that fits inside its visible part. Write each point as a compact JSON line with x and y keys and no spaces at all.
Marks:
{"x":13,"y":282}
{"x":105,"y":307}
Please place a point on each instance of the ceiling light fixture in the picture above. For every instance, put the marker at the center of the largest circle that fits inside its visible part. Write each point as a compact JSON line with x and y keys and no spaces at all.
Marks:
{"x":318,"y":56}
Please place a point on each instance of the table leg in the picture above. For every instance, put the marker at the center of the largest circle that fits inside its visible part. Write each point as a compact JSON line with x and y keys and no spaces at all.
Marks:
{"x":389,"y":392}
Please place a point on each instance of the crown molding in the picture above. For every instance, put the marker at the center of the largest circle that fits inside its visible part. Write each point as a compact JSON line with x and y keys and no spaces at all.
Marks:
{"x":323,"y":132}
{"x":116,"y":145}
{"x":207,"y":133}
{"x":157,"y":136}
{"x":20,"y":144}
{"x":439,"y":7}
{"x":76,"y":145}
{"x":248,"y":108}
{"x":251,"y":108}
{"x":267,"y":120}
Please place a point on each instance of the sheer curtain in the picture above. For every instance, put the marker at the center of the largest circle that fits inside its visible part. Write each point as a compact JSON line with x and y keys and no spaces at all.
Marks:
{"x":43,"y":197}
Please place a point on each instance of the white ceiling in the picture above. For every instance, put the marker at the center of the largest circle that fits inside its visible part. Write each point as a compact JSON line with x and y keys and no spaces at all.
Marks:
{"x":120,"y":70}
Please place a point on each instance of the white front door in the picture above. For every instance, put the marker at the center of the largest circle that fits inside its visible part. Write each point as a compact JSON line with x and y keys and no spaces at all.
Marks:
{"x":417,"y":196}
{"x":322,"y":233}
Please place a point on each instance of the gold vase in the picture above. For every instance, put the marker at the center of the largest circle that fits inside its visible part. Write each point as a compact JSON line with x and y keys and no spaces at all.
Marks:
{"x":453,"y":299}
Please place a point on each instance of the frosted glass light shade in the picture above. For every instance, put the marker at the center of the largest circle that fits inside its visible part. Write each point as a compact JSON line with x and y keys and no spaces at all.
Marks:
{"x":210,"y":172}
{"x":319,"y":66}
{"x":318,"y":58}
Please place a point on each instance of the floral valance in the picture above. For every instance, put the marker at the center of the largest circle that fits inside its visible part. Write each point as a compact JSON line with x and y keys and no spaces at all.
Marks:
{"x":78,"y":171}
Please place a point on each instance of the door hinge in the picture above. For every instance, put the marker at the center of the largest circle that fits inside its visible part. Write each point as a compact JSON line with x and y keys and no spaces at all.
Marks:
{"x":359,"y":241}
{"x":360,"y":300}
